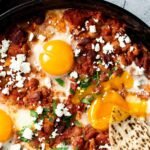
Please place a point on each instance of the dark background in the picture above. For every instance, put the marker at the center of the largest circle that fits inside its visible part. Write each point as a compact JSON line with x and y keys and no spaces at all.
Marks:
{"x":6,"y":4}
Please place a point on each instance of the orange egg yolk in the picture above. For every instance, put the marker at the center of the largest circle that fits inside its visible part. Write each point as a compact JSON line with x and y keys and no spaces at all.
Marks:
{"x":57,"y":57}
{"x":99,"y":113}
{"x":6,"y":126}
{"x":118,"y":82}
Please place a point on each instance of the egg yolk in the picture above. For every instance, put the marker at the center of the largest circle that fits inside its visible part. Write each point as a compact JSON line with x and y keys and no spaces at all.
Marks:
{"x":117,"y":83}
{"x":57,"y":57}
{"x":100,"y":111}
{"x":136,"y":105}
{"x":6,"y":126}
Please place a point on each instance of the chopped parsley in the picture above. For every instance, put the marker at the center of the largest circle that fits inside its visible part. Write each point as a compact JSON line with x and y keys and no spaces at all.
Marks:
{"x":62,"y":148}
{"x":60,"y":81}
{"x":45,"y":111}
{"x":85,"y":83}
{"x":77,"y":123}
{"x":20,"y":133}
{"x":87,"y":100}
{"x":34,"y":114}
{"x":67,"y":120}
{"x":54,"y":105}
{"x":96,"y":76}
{"x":72,"y":91}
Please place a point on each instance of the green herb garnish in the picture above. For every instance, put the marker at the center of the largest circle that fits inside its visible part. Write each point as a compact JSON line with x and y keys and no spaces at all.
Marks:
{"x":67,"y":120}
{"x":85,"y":83}
{"x":72,"y":91}
{"x":51,"y":119}
{"x":61,"y":148}
{"x":21,"y":137}
{"x":54,"y":105}
{"x":60,"y":81}
{"x":87,"y":100}
{"x":77,"y":123}
{"x":33,"y":113}
{"x":45,"y":111}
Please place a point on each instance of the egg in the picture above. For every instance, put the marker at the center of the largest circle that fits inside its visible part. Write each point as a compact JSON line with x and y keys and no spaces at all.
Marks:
{"x":99,"y":113}
{"x":53,"y":55}
{"x":13,"y":119}
{"x":6,"y":126}
{"x":100,"y":110}
{"x":56,"y":58}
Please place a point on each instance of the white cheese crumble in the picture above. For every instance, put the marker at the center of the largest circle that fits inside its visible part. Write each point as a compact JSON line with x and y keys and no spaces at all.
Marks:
{"x":39,"y":110}
{"x":31,"y":36}
{"x":38,"y":125}
{"x":123,"y":39}
{"x":95,"y":20}
{"x":92,"y":28}
{"x":4,"y":48}
{"x":106,"y":146}
{"x":74,"y":74}
{"x":41,"y":37}
{"x":5,"y":91}
{"x":97,"y":47}
{"x":131,"y":49}
{"x":27,"y":133}
{"x":2,"y":73}
{"x":17,"y":68}
{"x":61,"y":110}
{"x":100,"y":40}
{"x":97,"y":56}
{"x":18,"y":64}
{"x":77,"y":52}
{"x":15,"y":147}
{"x":63,"y":146}
{"x":54,"y":134}
{"x":43,"y":146}
{"x":108,"y":48}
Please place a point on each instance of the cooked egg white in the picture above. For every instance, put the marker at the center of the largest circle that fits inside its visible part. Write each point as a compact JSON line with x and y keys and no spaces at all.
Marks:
{"x":37,"y":47}
{"x":14,"y":121}
{"x":139,"y":78}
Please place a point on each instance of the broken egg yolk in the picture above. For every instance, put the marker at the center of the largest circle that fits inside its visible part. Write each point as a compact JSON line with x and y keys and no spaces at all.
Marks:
{"x":117,"y":82}
{"x":100,"y":111}
{"x":137,"y":106}
{"x":57,"y":57}
{"x":6,"y":126}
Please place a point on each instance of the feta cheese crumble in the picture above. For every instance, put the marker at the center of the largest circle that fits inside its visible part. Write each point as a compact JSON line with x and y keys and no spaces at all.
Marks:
{"x":77,"y":52}
{"x":74,"y":74}
{"x":100,"y":40}
{"x":27,"y":133}
{"x":108,"y":48}
{"x":54,"y":134}
{"x":92,"y":28}
{"x":123,"y":39}
{"x":106,"y":146}
{"x":61,"y":110}
{"x":39,"y":110}
{"x":38,"y":125}
{"x":17,"y":68}
{"x":4,"y":48}
{"x":97,"y":47}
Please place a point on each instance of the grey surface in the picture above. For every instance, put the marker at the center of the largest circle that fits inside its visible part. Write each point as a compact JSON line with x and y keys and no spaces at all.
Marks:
{"x":140,"y":8}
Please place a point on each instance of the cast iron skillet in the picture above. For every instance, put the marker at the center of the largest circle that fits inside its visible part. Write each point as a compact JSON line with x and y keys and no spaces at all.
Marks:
{"x":25,"y":8}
